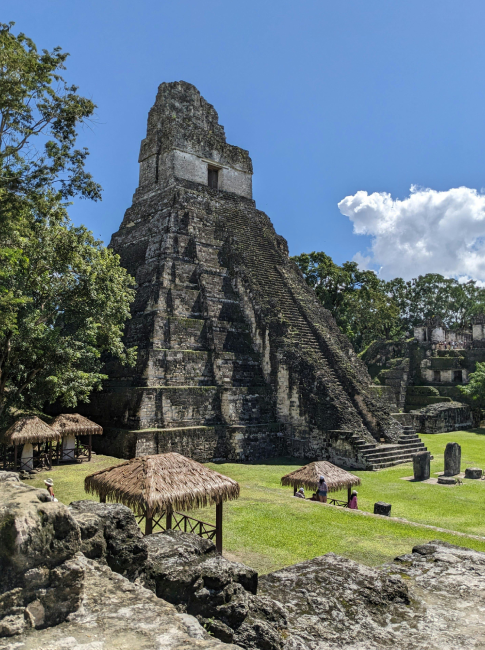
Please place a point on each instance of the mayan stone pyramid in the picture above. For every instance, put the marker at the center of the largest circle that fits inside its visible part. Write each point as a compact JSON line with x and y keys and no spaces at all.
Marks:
{"x":237,"y":359}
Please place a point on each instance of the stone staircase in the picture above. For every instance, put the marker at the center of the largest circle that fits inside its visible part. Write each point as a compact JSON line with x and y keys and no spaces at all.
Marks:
{"x":262,"y":267}
{"x":379,"y":456}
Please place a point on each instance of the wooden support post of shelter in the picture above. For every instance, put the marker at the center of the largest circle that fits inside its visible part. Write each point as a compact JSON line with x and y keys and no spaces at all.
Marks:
{"x":219,"y":527}
{"x":148,"y":521}
{"x":168,"y":518}
{"x":163,"y":485}
{"x":308,"y":477}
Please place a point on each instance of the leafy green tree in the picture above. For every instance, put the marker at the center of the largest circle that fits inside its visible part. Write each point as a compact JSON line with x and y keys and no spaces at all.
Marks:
{"x":357,"y":299}
{"x":475,"y":389}
{"x":68,"y":302}
{"x":39,"y":118}
{"x":367,"y":308}
{"x":64,"y":298}
{"x":434,"y":296}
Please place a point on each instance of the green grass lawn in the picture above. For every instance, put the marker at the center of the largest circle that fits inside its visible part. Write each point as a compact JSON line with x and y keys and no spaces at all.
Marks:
{"x":267,"y":528}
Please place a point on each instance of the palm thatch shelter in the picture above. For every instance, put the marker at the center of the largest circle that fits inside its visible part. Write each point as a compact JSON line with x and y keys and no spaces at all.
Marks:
{"x":160,"y":485}
{"x":30,"y":431}
{"x":309,"y":475}
{"x":70,"y":426}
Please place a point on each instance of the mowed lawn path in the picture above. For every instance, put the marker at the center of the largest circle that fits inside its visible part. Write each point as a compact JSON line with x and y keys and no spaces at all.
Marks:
{"x":268,"y":529}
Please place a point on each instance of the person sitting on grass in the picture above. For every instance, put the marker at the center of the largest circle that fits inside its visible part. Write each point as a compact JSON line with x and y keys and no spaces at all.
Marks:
{"x":353,"y":500}
{"x":50,"y":488}
{"x":300,"y":494}
{"x":322,"y":490}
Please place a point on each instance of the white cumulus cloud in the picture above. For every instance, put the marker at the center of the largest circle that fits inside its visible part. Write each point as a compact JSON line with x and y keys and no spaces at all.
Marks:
{"x":427,"y":232}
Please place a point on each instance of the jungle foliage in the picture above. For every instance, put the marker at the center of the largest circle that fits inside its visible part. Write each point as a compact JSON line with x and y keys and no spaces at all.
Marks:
{"x":367,"y":308}
{"x":64,"y":298}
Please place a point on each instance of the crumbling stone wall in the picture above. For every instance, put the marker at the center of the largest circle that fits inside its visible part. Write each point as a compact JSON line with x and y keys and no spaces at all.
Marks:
{"x":440,"y":418}
{"x":408,"y":368}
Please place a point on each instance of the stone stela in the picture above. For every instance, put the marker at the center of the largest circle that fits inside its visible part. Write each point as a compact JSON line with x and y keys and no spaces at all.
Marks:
{"x":452,"y":459}
{"x":421,"y":466}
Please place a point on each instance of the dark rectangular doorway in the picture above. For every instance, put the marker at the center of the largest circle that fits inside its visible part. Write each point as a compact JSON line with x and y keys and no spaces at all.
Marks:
{"x":212,"y":178}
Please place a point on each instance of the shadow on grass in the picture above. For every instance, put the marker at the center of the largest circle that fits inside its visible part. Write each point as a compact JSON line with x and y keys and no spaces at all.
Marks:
{"x":285,"y":460}
{"x":479,"y":432}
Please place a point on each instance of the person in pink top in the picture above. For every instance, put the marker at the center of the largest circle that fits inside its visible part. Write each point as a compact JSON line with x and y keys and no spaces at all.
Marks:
{"x":353,"y":500}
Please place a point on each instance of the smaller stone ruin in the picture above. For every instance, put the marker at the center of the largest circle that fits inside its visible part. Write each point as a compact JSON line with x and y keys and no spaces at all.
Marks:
{"x":452,"y":459}
{"x":440,"y":418}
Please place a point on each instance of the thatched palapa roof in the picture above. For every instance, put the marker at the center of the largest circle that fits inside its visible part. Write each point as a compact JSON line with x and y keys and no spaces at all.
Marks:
{"x":160,"y":482}
{"x":29,"y":429}
{"x":309,"y":475}
{"x":75,"y":424}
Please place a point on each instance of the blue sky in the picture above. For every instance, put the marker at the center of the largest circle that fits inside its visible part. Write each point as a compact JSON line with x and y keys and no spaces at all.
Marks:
{"x":330,"y":98}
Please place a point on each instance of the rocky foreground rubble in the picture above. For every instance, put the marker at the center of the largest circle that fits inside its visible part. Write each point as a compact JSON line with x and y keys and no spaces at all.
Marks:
{"x":84,"y":578}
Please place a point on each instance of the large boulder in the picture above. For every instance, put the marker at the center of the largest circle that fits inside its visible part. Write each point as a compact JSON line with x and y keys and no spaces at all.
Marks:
{"x":119,"y":615}
{"x":188,"y":572}
{"x":431,"y":598}
{"x":110,"y":534}
{"x":332,"y":600}
{"x":9,"y":476}
{"x":41,"y":581}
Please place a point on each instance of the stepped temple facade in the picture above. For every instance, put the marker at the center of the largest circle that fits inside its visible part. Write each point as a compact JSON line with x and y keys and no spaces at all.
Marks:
{"x":237,"y":359}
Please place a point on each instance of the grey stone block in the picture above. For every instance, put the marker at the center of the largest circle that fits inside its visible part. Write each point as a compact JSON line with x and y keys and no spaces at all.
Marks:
{"x":452,"y":459}
{"x":473,"y":472}
{"x":421,"y":466}
{"x":446,"y":480}
{"x":382,"y":508}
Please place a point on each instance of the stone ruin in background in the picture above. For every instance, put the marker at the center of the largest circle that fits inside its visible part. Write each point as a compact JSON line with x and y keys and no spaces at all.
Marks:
{"x":422,"y":376}
{"x":237,"y":359}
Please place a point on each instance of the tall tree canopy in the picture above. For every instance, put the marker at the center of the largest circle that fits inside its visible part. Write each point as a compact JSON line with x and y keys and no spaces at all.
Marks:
{"x":434,"y":296}
{"x":367,"y":308}
{"x":64,"y":298}
{"x":357,"y":299}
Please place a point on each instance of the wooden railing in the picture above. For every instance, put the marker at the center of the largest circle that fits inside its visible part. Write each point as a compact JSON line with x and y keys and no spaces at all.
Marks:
{"x":180,"y":521}
{"x":336,"y":502}
{"x":191,"y":525}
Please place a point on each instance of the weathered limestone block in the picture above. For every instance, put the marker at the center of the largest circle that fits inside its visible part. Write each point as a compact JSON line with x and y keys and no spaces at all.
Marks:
{"x":452,"y":459}
{"x":187,"y":571}
{"x":421,"y":466}
{"x":382,"y":508}
{"x":119,"y":615}
{"x":473,"y":472}
{"x":335,"y":602}
{"x":109,"y":532}
{"x":41,"y":581}
{"x":9,"y":476}
{"x":446,"y":480}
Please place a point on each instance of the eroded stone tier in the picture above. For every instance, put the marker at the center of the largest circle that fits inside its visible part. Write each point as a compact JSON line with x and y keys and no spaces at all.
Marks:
{"x":237,"y":358}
